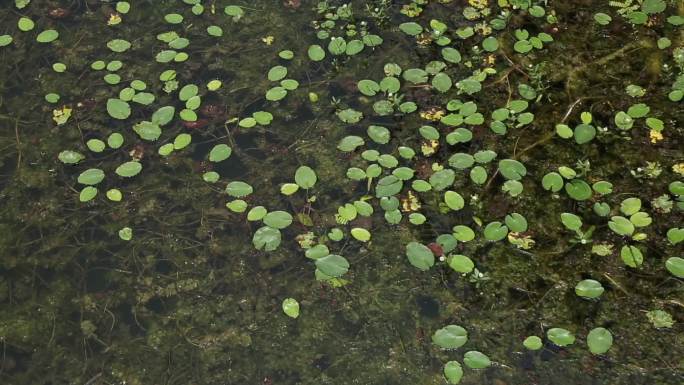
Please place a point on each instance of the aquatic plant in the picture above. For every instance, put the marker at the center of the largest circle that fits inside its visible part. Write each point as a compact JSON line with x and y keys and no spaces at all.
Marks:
{"x":465,"y":164}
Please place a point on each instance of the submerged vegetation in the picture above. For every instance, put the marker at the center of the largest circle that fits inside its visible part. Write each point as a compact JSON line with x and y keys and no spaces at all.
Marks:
{"x":332,"y":192}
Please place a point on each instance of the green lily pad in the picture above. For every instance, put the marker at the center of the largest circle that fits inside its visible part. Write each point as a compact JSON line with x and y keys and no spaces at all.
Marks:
{"x":129,"y":169}
{"x":420,"y":256}
{"x":333,"y":265}
{"x":450,"y":337}
{"x":291,"y":307}
{"x":599,"y":340}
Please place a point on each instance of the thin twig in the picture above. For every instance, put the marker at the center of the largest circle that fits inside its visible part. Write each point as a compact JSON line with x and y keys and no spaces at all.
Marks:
{"x":16,"y":135}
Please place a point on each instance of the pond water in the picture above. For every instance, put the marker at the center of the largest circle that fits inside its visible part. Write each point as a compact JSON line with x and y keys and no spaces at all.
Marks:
{"x":341,"y":192}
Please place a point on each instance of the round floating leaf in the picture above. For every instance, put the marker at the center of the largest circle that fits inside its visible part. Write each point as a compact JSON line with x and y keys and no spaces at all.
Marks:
{"x":602,"y":18}
{"x":237,"y":206}
{"x":463,"y":233}
{"x":47,"y":36}
{"x":289,"y":188}
{"x":165,"y":149}
{"x":442,"y":179}
{"x":115,"y":140}
{"x":350,"y":115}
{"x":291,"y":307}
{"x":266,"y":238}
{"x":332,"y":265}
{"x":675,"y":265}
{"x":350,"y":143}
{"x":368,"y":87}
{"x":277,"y":73}
{"x":512,"y":169}
{"x":378,"y":134}
{"x":361,"y":234}
{"x":114,"y":195}
{"x":415,"y":75}
{"x":91,"y":176}
{"x":411,"y":28}
{"x":522,"y":46}
{"x":123,"y":7}
{"x":316,"y":52}
{"x":126,"y":233}
{"x":256,"y":213}
{"x":451,"y":55}
{"x":337,"y":46}
{"x":144,"y":98}
{"x":248,"y":122}
{"x":490,"y":44}
{"x":450,"y":337}
{"x":5,"y":40}
{"x":552,"y":181}
{"x":289,"y":84}
{"x":453,"y":372}
{"x":118,"y":109}
{"x":182,"y":141}
{"x":187,"y":92}
{"x":476,"y":360}
{"x":70,"y":157}
{"x":461,"y":263}
{"x":578,"y":190}
{"x":163,"y":115}
{"x":286,"y":54}
{"x":119,"y":45}
{"x":95,"y":145}
{"x":51,"y":97}
{"x":623,"y":121}
{"x":560,"y":336}
{"x":112,"y":79}
{"x":454,"y":200}
{"x":516,"y":222}
{"x":147,"y":130}
{"x":621,"y":225}
{"x":25,"y":24}
{"x":317,"y":252}
{"x":234,"y":11}
{"x":589,"y":288}
{"x":571,"y":221}
{"x":173,"y":18}
{"x":584,"y":133}
{"x":214,"y":85}
{"x":442,"y":82}
{"x":630,"y":206}
{"x":88,"y":193}
{"x":305,"y":177}
{"x":675,"y":235}
{"x":533,"y":343}
{"x":631,"y":256}
{"x":214,"y":30}
{"x":599,"y":340}
{"x":653,"y":6}
{"x":420,"y":256}
{"x":478,"y":175}
{"x":211,"y":177}
{"x":219,"y":153}
{"x":495,"y":231}
{"x":238,"y":189}
{"x":276,"y":93}
{"x":278,"y":219}
{"x":129,"y":169}
{"x":388,"y":186}
{"x":640,"y":219}
{"x":354,"y":47}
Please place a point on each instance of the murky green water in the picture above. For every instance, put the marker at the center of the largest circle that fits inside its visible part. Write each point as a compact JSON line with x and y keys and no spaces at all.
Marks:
{"x":190,"y":300}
